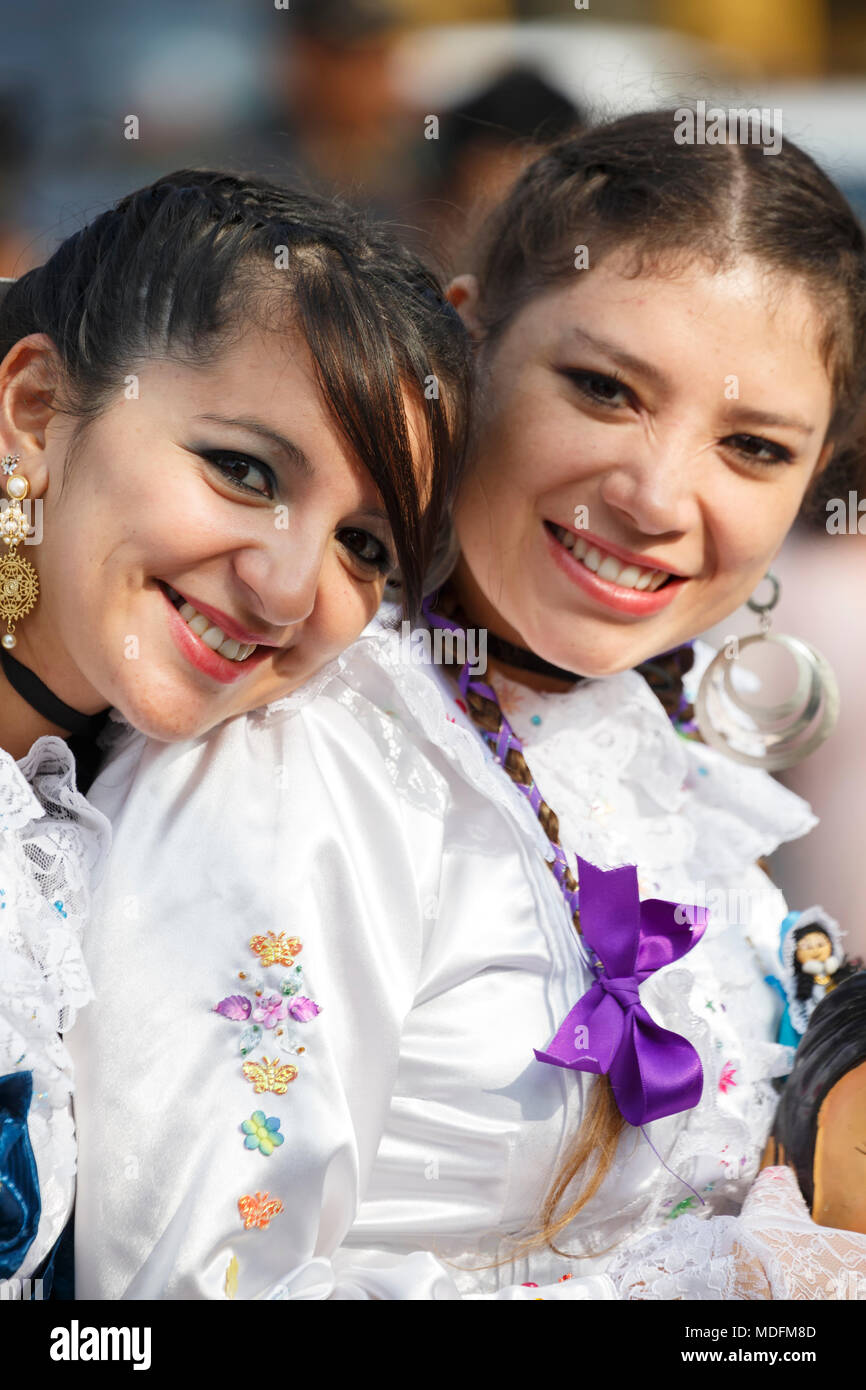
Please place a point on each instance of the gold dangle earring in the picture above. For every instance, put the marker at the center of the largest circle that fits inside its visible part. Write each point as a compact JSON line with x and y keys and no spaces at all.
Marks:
{"x":750,"y":730}
{"x":19,"y":582}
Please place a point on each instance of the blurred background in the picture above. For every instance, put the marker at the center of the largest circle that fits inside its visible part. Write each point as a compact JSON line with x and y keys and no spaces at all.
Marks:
{"x":424,"y":111}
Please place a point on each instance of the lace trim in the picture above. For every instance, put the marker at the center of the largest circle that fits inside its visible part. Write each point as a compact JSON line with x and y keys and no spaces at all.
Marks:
{"x":52,"y":843}
{"x":773,"y":1250}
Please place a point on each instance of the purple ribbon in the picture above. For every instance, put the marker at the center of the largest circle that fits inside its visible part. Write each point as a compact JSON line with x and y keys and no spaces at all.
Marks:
{"x":653,"y":1072}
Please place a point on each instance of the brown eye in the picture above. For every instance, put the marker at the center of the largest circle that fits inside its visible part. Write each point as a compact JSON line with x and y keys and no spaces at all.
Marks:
{"x":759,"y":450}
{"x":366,"y":548}
{"x":599,"y":388}
{"x":243,"y":471}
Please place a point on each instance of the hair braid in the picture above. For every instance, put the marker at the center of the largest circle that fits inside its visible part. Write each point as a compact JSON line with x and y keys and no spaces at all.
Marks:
{"x":487,"y":715}
{"x":599,"y":1134}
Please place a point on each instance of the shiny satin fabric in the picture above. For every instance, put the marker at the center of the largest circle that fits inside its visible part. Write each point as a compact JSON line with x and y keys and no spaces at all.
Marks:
{"x":20,"y":1206}
{"x":420,"y":1133}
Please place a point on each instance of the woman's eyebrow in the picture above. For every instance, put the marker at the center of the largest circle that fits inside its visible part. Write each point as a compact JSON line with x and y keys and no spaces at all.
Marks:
{"x":746,"y":414}
{"x":292,"y":451}
{"x":647,"y":369}
{"x":375,"y":514}
{"x":620,"y":356}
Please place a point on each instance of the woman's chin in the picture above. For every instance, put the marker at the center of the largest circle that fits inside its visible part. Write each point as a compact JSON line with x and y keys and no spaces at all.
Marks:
{"x":591,"y":665}
{"x":169,"y":721}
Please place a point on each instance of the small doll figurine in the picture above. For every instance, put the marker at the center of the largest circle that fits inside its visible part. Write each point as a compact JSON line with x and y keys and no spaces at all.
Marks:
{"x":820,"y":1125}
{"x":813,"y":964}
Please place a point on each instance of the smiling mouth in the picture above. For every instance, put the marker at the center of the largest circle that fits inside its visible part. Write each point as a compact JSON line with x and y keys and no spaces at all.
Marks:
{"x":606,"y":566}
{"x":207,"y":631}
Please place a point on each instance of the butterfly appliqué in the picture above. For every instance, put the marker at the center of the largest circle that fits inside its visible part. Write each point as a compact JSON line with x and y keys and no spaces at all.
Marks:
{"x":275,"y":949}
{"x":259,"y":1210}
{"x":270,"y":1075}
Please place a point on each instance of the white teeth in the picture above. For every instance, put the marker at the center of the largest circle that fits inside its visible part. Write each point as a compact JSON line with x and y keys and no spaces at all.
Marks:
{"x":629,"y":577}
{"x":211,"y":635}
{"x":606,"y":566}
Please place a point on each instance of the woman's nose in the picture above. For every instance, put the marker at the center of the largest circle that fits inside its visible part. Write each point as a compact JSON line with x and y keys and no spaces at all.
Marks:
{"x":282,"y":579}
{"x":654,"y":488}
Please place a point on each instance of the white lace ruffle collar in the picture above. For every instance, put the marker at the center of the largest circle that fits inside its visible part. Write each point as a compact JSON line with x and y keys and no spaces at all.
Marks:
{"x":614,"y":730}
{"x":52,"y":843}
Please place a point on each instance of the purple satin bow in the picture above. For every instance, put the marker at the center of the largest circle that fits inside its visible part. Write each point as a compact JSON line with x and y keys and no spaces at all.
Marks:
{"x":653,"y":1072}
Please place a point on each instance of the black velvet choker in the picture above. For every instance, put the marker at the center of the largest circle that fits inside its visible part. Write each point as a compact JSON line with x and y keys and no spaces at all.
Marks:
{"x":524,"y":660}
{"x":40,"y":698}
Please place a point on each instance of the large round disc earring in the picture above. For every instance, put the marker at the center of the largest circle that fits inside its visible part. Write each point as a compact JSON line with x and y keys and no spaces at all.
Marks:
{"x":753,"y":731}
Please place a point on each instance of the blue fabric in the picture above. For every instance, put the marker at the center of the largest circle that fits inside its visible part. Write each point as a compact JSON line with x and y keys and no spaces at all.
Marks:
{"x":20,"y":1204}
{"x":787,"y":1035}
{"x":55,"y":1277}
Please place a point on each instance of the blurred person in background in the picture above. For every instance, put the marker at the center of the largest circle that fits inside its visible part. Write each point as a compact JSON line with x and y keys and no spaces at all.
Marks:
{"x":334,"y":116}
{"x":483,"y":145}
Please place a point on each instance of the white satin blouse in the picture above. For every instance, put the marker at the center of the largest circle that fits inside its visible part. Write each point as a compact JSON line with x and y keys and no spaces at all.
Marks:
{"x":361,"y":831}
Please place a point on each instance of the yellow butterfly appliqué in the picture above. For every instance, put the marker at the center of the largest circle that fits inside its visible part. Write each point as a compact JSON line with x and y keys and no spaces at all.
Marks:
{"x":270,"y":1076}
{"x":275,"y":949}
{"x":232,"y":1277}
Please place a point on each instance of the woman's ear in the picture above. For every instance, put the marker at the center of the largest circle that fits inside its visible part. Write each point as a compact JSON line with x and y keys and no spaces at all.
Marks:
{"x":463,"y":294}
{"x":28,"y":379}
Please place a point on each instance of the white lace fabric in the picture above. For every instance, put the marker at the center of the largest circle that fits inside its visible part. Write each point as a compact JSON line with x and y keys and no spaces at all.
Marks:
{"x":772,"y":1250}
{"x":52,"y":843}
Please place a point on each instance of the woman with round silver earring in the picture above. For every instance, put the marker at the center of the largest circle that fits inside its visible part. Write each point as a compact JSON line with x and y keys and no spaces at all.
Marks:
{"x":525,"y":898}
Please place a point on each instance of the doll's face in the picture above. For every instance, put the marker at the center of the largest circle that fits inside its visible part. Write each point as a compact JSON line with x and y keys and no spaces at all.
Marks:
{"x":814,"y":946}
{"x":840,"y":1155}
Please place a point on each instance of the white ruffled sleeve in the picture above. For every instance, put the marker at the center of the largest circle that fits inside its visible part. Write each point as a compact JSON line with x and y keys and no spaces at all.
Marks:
{"x":52,"y":846}
{"x":772,"y":1250}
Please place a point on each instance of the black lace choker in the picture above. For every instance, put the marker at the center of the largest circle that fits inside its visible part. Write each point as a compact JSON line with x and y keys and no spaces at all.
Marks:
{"x":40,"y":698}
{"x":524,"y":660}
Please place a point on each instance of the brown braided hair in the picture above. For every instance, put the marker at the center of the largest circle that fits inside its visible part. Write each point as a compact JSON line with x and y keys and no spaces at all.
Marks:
{"x":603,"y":1123}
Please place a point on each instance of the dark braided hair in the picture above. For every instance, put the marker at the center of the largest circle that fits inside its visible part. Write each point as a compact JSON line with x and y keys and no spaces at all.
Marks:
{"x":181,"y":268}
{"x":603,"y":1123}
{"x":663,"y":674}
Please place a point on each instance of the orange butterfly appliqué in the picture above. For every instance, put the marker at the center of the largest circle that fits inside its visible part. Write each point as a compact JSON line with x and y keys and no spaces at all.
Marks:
{"x":275,"y":949}
{"x":270,"y":1076}
{"x":259,"y":1210}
